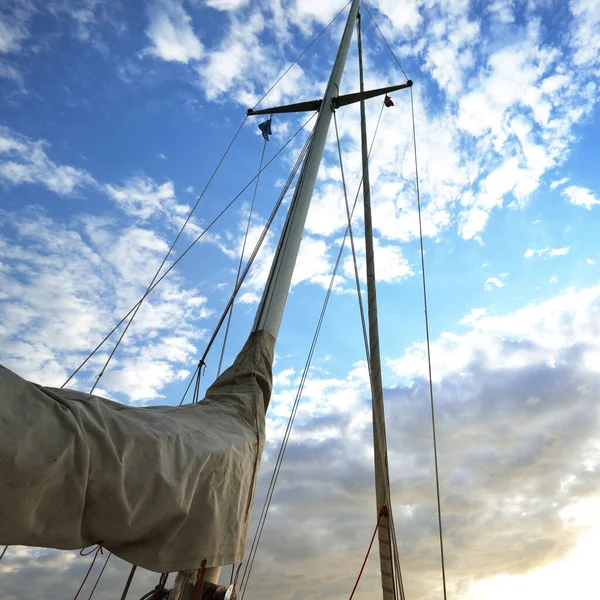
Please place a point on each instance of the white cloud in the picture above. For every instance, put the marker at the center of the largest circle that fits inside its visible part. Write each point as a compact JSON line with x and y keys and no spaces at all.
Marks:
{"x":580,"y":196}
{"x":591,"y":261}
{"x":171,"y":33}
{"x":548,"y":252}
{"x":553,"y":279}
{"x":490,"y":282}
{"x":558,"y":182}
{"x":25,"y":161}
{"x":226,"y":4}
{"x":539,"y":333}
{"x":585,"y":31}
{"x":63,"y":290}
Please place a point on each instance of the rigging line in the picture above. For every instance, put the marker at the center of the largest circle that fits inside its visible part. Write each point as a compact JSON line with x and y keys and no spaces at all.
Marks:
{"x":301,"y":55}
{"x":128,"y":582}
{"x":172,"y":266}
{"x":239,"y":269}
{"x":189,"y":385}
{"x":124,"y":332}
{"x":274,"y":476}
{"x":435,"y":452}
{"x":256,"y":249}
{"x":356,"y":276}
{"x":381,"y":513}
{"x":3,"y":552}
{"x":263,"y":235}
{"x":364,"y":2}
{"x":99,"y":576}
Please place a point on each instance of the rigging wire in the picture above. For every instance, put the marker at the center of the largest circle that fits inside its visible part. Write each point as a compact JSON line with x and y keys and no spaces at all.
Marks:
{"x":3,"y":552}
{"x":356,"y":276}
{"x":396,"y":572}
{"x":301,"y":55}
{"x":181,"y":256}
{"x":124,"y":332}
{"x":276,"y":469}
{"x":257,"y":247}
{"x":99,"y":576}
{"x":433,"y":430}
{"x":364,"y":3}
{"x":128,"y":582}
{"x":239,"y":269}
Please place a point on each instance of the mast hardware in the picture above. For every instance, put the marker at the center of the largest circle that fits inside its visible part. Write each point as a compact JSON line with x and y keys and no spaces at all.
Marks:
{"x":338,"y":101}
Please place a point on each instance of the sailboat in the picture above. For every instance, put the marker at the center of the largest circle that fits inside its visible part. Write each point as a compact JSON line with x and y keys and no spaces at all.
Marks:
{"x":171,"y":489}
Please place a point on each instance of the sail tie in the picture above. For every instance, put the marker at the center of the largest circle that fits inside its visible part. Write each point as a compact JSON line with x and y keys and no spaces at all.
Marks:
{"x":200,"y":580}
{"x":95,"y":550}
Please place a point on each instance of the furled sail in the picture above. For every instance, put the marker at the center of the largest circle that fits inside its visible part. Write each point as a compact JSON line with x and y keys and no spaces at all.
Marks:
{"x":162,"y":487}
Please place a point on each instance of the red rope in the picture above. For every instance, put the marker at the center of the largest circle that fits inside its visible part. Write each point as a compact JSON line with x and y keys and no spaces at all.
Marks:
{"x":235,"y":581}
{"x":382,"y":512}
{"x":200,"y":580}
{"x":96,"y":551}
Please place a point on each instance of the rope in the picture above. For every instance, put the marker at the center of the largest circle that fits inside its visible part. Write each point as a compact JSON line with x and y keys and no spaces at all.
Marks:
{"x":301,"y":55}
{"x":435,"y":453}
{"x":200,"y":580}
{"x":257,"y":247}
{"x":128,"y":582}
{"x":184,"y":253}
{"x":159,"y":592}
{"x":383,"y":38}
{"x":275,"y":475}
{"x":3,"y":552}
{"x":239,"y":269}
{"x":382,"y":512}
{"x":99,"y":576}
{"x":95,"y":550}
{"x":356,"y":277}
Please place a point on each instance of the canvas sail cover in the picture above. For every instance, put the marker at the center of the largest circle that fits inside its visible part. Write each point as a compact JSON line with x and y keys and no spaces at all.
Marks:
{"x":162,"y":487}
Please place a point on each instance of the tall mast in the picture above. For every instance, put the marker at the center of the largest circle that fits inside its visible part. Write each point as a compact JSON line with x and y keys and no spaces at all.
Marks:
{"x":268,"y":316}
{"x":382,"y":484}
{"x":270,"y":310}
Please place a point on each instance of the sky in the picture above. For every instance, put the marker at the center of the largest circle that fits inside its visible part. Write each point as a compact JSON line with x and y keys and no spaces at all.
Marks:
{"x":114,"y":115}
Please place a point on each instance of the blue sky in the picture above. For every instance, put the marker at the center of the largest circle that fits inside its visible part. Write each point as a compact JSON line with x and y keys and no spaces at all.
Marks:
{"x":112,"y":118}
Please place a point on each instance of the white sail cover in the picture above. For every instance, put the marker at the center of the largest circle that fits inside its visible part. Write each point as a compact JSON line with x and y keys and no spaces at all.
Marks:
{"x":162,"y":487}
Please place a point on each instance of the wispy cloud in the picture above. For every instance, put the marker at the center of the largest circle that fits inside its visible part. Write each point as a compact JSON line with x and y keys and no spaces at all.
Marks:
{"x":23,"y":160}
{"x":547,"y":252}
{"x":580,"y":196}
{"x":171,"y":33}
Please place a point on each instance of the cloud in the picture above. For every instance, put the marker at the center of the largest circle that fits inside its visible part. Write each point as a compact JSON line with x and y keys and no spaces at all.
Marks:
{"x":171,"y":33}
{"x":63,"y":290}
{"x":585,"y":31}
{"x":492,"y":282}
{"x":517,"y":441}
{"x":558,"y":182}
{"x":225,"y":5}
{"x":25,"y":161}
{"x":547,"y":252}
{"x":14,"y":25}
{"x":580,"y":196}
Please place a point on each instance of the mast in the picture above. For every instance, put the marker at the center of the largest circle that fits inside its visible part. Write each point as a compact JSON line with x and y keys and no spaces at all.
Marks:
{"x":270,"y":310}
{"x":382,"y":484}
